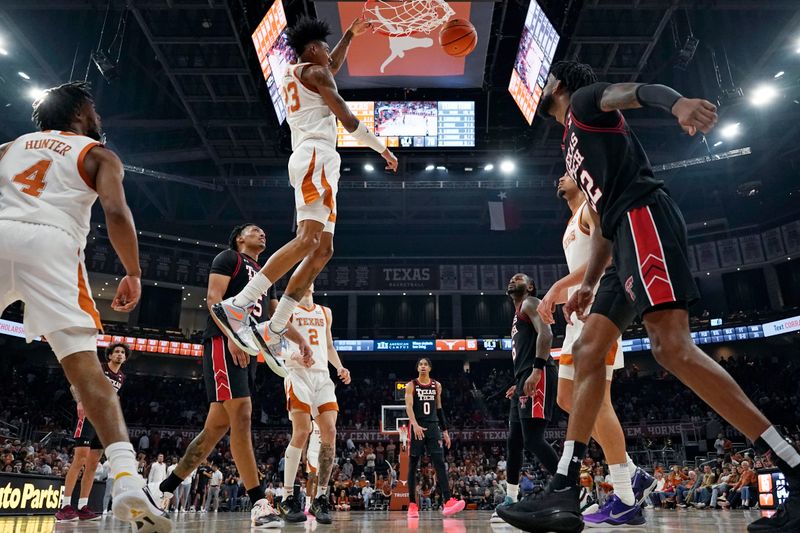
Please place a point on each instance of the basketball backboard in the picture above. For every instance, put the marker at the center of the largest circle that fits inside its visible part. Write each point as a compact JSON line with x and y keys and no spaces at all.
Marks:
{"x":392,"y":417}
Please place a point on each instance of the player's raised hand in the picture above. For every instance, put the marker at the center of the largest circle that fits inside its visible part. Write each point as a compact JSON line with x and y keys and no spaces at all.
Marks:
{"x":360,"y":25}
{"x":129,"y":291}
{"x":695,"y":114}
{"x":578,"y":304}
{"x":344,"y":375}
{"x":391,"y":160}
{"x":239,"y":356}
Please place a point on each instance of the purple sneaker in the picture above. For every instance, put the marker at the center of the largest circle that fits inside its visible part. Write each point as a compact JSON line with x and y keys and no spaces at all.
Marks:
{"x":642,"y":484}
{"x":614,"y":513}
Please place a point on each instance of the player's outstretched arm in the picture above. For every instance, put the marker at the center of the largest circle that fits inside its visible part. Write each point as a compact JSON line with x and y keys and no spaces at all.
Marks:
{"x":339,"y":53}
{"x":106,"y":168}
{"x":693,"y":114}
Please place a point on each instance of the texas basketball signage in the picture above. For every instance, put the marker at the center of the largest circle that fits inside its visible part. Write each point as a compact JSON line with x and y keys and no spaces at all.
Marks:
{"x":456,"y":345}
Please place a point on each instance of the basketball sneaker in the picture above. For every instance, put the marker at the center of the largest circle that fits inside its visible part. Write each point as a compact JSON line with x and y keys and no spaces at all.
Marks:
{"x":453,"y":506}
{"x":614,"y":513}
{"x":785,"y":520}
{"x":495,"y":517}
{"x":321,"y":509}
{"x":291,"y":510}
{"x":67,"y":514}
{"x":642,"y":484}
{"x":263,"y":516}
{"x":138,"y":507}
{"x":265,"y":337}
{"x":413,"y":510}
{"x":552,"y":510}
{"x":85,"y":514}
{"x":235,"y":322}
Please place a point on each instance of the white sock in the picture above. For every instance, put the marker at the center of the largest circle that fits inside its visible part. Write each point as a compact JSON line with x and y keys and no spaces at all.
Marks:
{"x":290,"y":465}
{"x":66,"y":499}
{"x":512,"y":491}
{"x":566,"y":457}
{"x":631,"y":466}
{"x":82,"y":502}
{"x":782,"y":449}
{"x":122,"y":463}
{"x":282,"y":313}
{"x":621,"y":480}
{"x":253,"y":290}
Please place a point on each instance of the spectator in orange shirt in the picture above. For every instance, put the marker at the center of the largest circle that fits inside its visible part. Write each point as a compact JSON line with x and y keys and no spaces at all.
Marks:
{"x":740,"y":493}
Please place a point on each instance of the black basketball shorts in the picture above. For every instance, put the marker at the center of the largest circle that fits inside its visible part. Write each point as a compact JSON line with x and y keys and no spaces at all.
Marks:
{"x":86,"y":436}
{"x":539,"y":406}
{"x":650,"y":267}
{"x":430,"y":443}
{"x":224,"y":379}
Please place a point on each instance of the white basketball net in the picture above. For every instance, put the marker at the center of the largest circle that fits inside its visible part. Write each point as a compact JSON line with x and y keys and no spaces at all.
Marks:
{"x":411,"y":16}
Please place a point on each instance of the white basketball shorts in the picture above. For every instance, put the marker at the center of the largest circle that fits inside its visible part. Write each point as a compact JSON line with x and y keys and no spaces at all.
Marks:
{"x":566,"y":370}
{"x":314,"y":175}
{"x":309,"y":391}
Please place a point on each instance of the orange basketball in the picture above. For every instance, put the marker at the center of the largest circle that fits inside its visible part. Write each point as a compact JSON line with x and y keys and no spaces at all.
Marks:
{"x":458,"y":37}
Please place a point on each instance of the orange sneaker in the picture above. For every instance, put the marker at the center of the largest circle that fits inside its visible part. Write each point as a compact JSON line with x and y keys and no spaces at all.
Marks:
{"x":453,"y":506}
{"x":413,"y":510}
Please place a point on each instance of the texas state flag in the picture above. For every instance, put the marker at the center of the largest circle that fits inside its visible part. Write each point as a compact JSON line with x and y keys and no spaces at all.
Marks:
{"x":503,"y":213}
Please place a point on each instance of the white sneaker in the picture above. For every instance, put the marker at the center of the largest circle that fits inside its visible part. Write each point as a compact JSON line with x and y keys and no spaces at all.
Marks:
{"x":263,"y":516}
{"x":496,"y":519}
{"x":591,"y":509}
{"x":140,"y":509}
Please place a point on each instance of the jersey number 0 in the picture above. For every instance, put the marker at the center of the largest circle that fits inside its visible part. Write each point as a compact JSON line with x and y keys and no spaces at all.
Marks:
{"x":32,"y":178}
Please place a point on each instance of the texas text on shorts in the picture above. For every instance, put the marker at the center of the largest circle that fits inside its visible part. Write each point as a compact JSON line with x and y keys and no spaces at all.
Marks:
{"x":49,"y":181}
{"x":313,"y":105}
{"x":644,"y":234}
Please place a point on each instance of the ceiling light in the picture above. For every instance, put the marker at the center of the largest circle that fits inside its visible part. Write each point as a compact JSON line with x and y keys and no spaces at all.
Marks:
{"x":36,"y":93}
{"x":468,"y":169}
{"x":488,"y":167}
{"x":717,"y":143}
{"x":440,"y":167}
{"x":507,"y":167}
{"x":779,"y":74}
{"x":730,"y":131}
{"x":429,"y":168}
{"x":368,"y":167}
{"x":763,"y":94}
{"x":23,"y":76}
{"x":3,"y":51}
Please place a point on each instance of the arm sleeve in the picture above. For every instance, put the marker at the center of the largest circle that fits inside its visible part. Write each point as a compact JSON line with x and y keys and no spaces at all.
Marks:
{"x":225,"y":263}
{"x":585,"y":106}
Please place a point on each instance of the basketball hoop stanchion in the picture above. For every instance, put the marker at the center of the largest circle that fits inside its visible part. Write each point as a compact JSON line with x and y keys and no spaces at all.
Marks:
{"x":399,"y":501}
{"x":411,"y":16}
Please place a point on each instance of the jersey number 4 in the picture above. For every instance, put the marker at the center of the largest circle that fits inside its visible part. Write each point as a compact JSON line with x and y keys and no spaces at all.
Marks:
{"x":32,"y":178}
{"x":291,"y":96}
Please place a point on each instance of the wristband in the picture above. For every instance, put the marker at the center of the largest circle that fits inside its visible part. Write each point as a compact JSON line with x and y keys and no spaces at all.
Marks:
{"x":364,"y":136}
{"x":539,"y":363}
{"x":659,"y":96}
{"x":442,"y":419}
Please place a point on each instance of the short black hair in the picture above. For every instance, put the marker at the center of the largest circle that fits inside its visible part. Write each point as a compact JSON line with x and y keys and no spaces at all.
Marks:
{"x":307,"y":30}
{"x":573,"y":74}
{"x":236,"y":233}
{"x":114,"y":345}
{"x":424,"y":359}
{"x":56,"y":108}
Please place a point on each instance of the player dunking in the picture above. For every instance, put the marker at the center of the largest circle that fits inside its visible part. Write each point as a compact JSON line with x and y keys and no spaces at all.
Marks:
{"x":88,"y":449}
{"x":631,"y":484}
{"x":643,"y":230}
{"x":533,"y":396}
{"x":49,"y":181}
{"x":428,"y":433}
{"x":311,"y":392}
{"x":230,"y":374}
{"x":313,"y":105}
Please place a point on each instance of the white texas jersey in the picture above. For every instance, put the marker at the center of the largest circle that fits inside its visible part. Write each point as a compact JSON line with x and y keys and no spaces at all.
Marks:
{"x":577,"y":244}
{"x":313,"y":326}
{"x":42,"y":181}
{"x":308,"y":115}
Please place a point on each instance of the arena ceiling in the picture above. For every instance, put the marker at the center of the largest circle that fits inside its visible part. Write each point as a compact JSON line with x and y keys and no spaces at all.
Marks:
{"x":190,"y":102}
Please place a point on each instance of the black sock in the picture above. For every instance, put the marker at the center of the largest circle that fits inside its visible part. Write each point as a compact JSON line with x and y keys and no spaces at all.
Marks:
{"x":170,"y":484}
{"x":256,"y":493}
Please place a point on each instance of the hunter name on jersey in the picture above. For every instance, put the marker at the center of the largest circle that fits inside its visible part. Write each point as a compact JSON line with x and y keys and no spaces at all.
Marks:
{"x":56,"y":146}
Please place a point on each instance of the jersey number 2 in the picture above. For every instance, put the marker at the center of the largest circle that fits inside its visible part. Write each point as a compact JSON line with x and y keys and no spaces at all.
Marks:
{"x":291,"y":97}
{"x":32,"y":178}
{"x":313,"y":337}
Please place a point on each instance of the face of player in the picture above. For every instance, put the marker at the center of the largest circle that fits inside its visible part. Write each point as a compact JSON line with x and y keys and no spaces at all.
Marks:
{"x":318,"y":53}
{"x":423,"y":367}
{"x":90,"y":121}
{"x":253,"y":238}
{"x":567,"y":187}
{"x":118,"y":356}
{"x":518,"y":285}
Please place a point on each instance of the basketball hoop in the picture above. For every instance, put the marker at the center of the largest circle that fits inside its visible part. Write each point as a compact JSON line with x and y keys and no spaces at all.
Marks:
{"x":411,"y":16}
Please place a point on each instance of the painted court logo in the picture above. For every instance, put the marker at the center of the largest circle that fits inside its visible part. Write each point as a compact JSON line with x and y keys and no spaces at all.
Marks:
{"x":629,"y":288}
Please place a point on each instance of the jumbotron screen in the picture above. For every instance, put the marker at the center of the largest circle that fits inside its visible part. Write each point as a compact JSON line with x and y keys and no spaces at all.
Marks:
{"x":274,"y":54}
{"x":414,"y":124}
{"x":537,"y":47}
